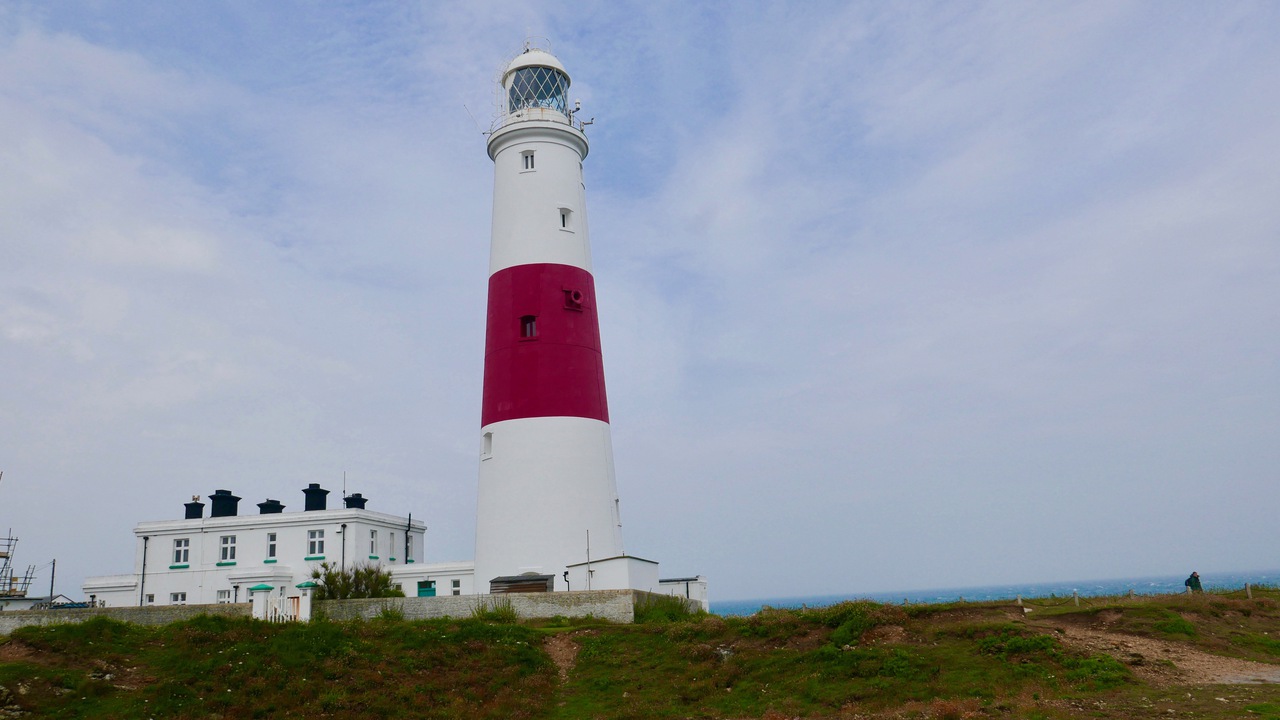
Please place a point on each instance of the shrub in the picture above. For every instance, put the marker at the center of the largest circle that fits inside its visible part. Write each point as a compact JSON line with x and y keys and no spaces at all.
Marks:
{"x":390,"y":613}
{"x":362,"y":580}
{"x":852,"y":619}
{"x":664,"y":608}
{"x":1099,"y":672}
{"x":500,"y":610}
{"x":772,"y":623}
{"x":1006,"y":644}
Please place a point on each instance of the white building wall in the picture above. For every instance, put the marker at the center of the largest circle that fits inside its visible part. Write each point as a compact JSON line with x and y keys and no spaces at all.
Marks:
{"x":206,"y":573}
{"x":693,"y":588}
{"x":455,"y":578}
{"x":612,"y":573}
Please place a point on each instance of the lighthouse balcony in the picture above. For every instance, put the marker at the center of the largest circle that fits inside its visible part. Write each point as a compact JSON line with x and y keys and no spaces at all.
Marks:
{"x":535,"y":114}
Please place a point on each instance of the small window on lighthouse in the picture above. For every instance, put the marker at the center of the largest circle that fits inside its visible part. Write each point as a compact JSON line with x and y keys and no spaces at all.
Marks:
{"x":486,"y":446}
{"x":529,"y":326}
{"x":566,"y":219}
{"x":528,"y":159}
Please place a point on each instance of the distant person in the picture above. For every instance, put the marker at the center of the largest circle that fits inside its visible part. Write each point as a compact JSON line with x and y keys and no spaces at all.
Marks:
{"x":1193,"y":583}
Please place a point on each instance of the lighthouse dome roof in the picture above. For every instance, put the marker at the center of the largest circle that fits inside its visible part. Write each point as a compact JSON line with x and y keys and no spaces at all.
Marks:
{"x":533,"y":57}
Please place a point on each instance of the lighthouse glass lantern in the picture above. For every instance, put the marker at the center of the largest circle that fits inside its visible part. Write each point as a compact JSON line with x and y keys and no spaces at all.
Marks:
{"x":538,"y":87}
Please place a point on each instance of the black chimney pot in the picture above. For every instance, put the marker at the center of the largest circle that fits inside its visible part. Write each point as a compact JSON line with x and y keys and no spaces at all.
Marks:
{"x":315,"y":497}
{"x":356,"y":501}
{"x":270,"y":507}
{"x":195,"y":510}
{"x":223,"y":504}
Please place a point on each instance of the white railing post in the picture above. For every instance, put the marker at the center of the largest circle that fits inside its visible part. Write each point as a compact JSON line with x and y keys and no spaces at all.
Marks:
{"x":259,"y":596}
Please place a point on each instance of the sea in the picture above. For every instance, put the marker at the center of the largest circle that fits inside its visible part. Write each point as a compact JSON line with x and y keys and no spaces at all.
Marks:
{"x":1156,"y":585}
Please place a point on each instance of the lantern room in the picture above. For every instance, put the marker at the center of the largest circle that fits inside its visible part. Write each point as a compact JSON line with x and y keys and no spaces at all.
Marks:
{"x":536,"y":80}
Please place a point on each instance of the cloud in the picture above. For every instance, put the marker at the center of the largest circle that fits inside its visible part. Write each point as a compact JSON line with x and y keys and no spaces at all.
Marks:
{"x":899,"y":296}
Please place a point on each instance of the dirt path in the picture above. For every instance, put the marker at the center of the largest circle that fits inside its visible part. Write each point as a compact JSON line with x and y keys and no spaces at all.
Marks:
{"x":563,"y":650}
{"x":1163,"y":663}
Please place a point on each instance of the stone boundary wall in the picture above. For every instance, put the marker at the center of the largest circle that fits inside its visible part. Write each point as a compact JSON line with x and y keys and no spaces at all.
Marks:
{"x":11,"y":620}
{"x":612,"y":605}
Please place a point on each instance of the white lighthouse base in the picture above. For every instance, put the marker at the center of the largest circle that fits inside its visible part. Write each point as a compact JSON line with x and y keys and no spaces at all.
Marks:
{"x":616,"y":573}
{"x":547,"y":500}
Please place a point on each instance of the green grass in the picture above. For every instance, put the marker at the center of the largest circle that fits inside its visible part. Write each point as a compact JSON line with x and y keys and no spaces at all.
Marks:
{"x":851,"y":659}
{"x":498,"y":610}
{"x":664,"y":608}
{"x":219,"y":667}
{"x":1268,"y":711}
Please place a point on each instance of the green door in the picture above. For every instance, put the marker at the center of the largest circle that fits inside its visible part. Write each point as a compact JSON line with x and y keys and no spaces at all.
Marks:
{"x":426,"y":588}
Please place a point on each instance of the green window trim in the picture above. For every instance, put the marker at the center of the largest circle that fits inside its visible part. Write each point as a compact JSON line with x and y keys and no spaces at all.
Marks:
{"x":180,"y":566}
{"x":225,"y":563}
{"x":410,"y":560}
{"x":313,"y":557}
{"x":391,"y":559}
{"x":373,"y":557}
{"x":270,"y":560}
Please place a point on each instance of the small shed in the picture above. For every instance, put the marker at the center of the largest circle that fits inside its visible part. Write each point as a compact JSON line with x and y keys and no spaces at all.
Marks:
{"x":528,"y":583}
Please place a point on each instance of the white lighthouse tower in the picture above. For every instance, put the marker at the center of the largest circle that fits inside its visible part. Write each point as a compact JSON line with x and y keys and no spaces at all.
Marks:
{"x":547,"y":509}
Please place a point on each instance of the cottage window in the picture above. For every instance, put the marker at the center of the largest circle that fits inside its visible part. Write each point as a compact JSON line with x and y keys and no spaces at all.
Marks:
{"x":181,"y":550}
{"x":228,"y":546}
{"x":315,"y":542}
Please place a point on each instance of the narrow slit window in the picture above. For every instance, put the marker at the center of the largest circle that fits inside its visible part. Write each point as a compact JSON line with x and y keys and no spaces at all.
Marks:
{"x":566,"y":219}
{"x":529,"y":326}
{"x":486,"y":445}
{"x":528,"y":160}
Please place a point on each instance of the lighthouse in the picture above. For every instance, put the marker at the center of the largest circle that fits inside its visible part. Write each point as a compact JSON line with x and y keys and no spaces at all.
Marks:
{"x":547,"y":508}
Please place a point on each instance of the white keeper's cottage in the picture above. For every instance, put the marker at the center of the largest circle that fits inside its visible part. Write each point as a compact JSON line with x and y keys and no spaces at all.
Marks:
{"x":218,"y":559}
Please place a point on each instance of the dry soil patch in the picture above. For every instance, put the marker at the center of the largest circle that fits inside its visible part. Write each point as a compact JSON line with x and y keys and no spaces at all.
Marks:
{"x":1163,"y":663}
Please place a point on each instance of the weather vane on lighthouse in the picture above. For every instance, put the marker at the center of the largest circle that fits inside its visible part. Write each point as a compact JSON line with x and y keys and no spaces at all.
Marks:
{"x":547,"y":504}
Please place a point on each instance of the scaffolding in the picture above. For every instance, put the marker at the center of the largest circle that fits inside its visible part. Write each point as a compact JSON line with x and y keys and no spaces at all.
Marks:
{"x":13,"y":585}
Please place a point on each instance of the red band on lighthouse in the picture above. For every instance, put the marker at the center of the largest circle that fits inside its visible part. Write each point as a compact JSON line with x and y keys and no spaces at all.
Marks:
{"x":542,"y":345}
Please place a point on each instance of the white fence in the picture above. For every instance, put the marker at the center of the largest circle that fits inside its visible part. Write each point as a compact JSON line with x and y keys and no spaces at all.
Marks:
{"x":282,"y":609}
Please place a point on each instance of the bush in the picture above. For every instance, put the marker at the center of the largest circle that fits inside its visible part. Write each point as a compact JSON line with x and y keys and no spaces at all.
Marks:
{"x":390,"y":613}
{"x":499,"y":611}
{"x":362,"y":580}
{"x":852,"y":619}
{"x":664,"y":608}
{"x":1006,"y":644}
{"x":1099,"y":672}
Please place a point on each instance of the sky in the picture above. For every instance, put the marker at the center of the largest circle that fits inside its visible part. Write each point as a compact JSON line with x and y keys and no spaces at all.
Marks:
{"x":893,"y":295}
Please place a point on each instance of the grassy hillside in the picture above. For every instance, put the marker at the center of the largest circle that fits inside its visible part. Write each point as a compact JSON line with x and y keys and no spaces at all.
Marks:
{"x":1117,"y":657}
